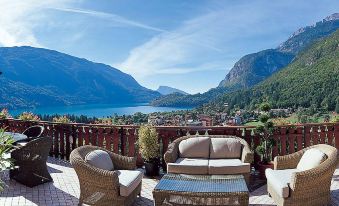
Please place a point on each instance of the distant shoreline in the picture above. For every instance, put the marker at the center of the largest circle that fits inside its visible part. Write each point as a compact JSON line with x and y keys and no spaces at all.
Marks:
{"x":98,"y":110}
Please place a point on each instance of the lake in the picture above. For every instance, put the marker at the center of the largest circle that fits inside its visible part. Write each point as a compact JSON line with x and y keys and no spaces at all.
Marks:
{"x":98,"y":110}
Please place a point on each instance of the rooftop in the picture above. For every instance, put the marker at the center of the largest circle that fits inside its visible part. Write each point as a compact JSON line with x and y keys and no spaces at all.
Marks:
{"x":65,"y":190}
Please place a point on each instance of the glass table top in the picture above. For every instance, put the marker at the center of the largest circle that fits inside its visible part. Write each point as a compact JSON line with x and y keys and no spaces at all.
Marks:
{"x":202,"y":183}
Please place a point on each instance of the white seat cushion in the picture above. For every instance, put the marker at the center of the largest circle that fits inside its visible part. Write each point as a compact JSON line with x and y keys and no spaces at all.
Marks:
{"x":227,"y":167}
{"x":280,"y":180}
{"x":128,"y":181}
{"x":312,"y":158}
{"x":195,"y":147}
{"x":226,"y":148}
{"x":100,"y":159}
{"x":188,"y":166}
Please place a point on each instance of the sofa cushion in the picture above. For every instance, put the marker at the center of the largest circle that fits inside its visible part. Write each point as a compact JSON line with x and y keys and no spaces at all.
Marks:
{"x":279,"y":180}
{"x":228,"y":148}
{"x":100,"y":159}
{"x":311,"y":159}
{"x":195,"y":147}
{"x":128,"y":181}
{"x":227,"y":167}
{"x":188,"y":166}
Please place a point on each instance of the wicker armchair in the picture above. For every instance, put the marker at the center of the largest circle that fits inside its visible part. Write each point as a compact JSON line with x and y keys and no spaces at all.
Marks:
{"x":31,"y":162}
{"x":309,"y":187}
{"x":98,"y":186}
{"x":247,"y":156}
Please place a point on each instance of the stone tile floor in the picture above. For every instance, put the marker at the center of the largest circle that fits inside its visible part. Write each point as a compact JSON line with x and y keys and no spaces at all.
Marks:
{"x":65,"y":190}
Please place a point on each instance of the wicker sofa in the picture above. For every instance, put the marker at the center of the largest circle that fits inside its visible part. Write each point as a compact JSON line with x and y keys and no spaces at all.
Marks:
{"x":287,"y":184}
{"x":103,"y":187}
{"x":209,"y":154}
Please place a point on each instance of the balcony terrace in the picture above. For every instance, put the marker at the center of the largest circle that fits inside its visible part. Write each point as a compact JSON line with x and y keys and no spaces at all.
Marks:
{"x":120,"y":139}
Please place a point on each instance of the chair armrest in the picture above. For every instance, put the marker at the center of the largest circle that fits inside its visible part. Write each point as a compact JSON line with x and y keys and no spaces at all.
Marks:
{"x":171,"y":155}
{"x":317,"y":178}
{"x":123,"y":162}
{"x":95,"y":176}
{"x":287,"y":161}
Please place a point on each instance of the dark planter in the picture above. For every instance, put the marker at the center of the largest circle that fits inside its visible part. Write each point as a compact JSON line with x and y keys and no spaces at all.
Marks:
{"x":262,"y":167}
{"x":152,"y":168}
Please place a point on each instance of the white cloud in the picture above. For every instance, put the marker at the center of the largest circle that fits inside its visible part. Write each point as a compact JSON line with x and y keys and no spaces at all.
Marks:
{"x":192,"y":45}
{"x":19,"y":18}
{"x":111,"y":17}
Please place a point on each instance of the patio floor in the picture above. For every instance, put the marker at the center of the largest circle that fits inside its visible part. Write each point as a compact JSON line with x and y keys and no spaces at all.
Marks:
{"x":65,"y":190}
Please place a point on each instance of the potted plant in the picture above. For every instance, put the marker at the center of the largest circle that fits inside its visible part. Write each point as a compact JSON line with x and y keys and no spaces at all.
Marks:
{"x":6,"y":143}
{"x":149,"y":149}
{"x":265,"y":130}
{"x":28,"y":116}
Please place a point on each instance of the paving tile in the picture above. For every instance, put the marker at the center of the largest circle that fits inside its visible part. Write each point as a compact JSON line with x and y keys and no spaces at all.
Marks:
{"x":65,"y":190}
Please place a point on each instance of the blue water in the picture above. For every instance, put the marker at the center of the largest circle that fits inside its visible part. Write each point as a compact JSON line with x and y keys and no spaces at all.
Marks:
{"x":101,"y":110}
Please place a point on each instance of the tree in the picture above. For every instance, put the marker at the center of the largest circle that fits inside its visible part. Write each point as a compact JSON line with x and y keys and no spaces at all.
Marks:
{"x":337,"y":106}
{"x":265,"y":131}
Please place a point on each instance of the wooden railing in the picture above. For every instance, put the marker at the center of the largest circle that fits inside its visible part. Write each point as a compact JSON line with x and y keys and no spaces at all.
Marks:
{"x":122,"y":138}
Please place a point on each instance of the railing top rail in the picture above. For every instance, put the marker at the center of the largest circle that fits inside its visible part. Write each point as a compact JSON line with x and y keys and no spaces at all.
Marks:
{"x":177,"y":127}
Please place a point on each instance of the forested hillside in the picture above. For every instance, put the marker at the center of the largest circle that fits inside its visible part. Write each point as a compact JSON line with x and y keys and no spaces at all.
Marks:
{"x":312,"y":79}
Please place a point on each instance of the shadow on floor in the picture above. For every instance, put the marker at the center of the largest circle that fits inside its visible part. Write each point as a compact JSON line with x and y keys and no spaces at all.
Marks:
{"x":53,"y":170}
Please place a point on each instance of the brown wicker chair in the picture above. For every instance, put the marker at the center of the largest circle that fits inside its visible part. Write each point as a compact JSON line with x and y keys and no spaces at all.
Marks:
{"x":309,"y":187}
{"x":31,"y":162}
{"x":247,"y":156}
{"x":98,"y":186}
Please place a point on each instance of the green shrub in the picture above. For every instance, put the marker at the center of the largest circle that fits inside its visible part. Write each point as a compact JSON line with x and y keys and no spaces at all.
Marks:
{"x":148,"y":143}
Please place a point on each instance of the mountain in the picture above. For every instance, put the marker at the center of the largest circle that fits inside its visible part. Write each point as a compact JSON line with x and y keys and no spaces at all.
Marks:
{"x":164,"y":90}
{"x":311,"y":80}
{"x":41,"y":77}
{"x":254,"y":68}
{"x":180,"y":100}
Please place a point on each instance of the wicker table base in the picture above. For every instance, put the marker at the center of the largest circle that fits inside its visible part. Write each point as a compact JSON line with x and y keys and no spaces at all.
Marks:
{"x":180,"y":189}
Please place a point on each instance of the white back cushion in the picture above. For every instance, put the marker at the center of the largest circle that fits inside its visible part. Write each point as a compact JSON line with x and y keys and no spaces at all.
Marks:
{"x":100,"y":159}
{"x":195,"y":147}
{"x":229,"y":148}
{"x":311,"y":159}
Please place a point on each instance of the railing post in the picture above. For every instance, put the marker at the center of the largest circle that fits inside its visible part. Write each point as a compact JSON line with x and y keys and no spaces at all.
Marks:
{"x":122,"y":141}
{"x":299,"y":136}
{"x":116,"y":139}
{"x":336,"y":135}
{"x":131,"y":143}
{"x":291,"y":140}
{"x":283,"y":138}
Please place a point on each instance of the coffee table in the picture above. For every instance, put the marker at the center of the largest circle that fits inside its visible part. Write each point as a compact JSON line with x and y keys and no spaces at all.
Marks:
{"x":181,"y":189}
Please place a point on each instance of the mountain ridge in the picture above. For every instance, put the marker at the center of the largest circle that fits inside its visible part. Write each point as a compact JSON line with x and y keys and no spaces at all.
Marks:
{"x":63,"y":80}
{"x":312,"y":80}
{"x":165,"y":90}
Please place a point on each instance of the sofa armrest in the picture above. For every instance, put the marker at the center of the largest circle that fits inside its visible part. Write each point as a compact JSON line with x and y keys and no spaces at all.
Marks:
{"x":171,"y":155}
{"x":287,"y":161}
{"x":247,"y":156}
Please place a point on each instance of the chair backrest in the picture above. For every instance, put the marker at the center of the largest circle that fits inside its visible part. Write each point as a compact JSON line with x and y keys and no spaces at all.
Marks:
{"x":34,"y":131}
{"x":330,"y":151}
{"x":38,"y":149}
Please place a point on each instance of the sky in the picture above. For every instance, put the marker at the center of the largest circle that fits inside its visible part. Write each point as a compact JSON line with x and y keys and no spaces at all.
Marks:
{"x":186,"y":44}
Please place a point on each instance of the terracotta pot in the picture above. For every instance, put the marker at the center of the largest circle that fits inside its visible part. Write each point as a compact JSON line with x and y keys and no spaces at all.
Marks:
{"x":262,"y":167}
{"x":152,"y":168}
